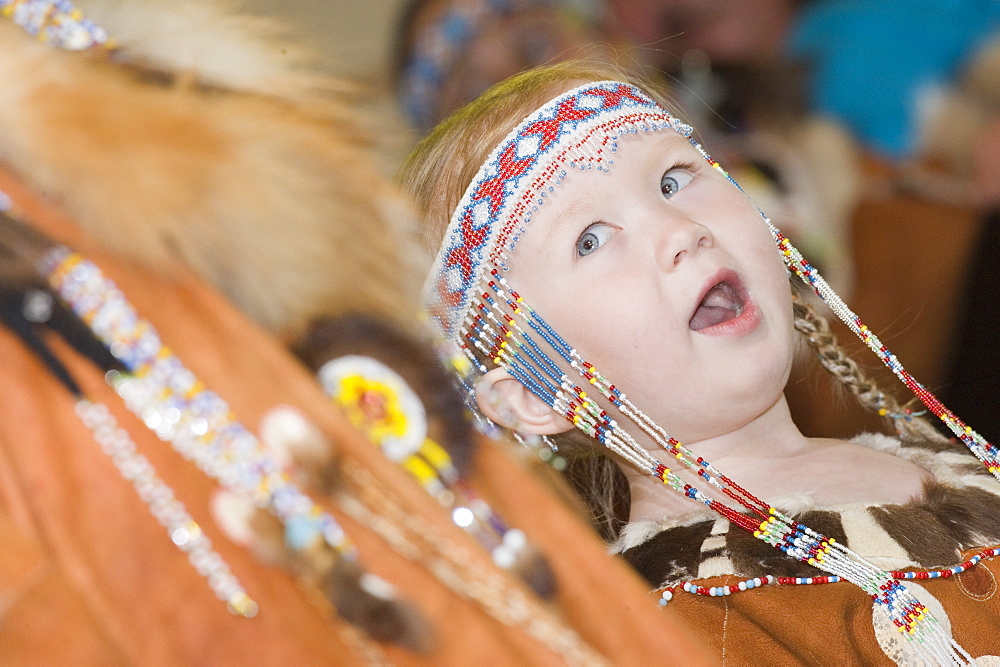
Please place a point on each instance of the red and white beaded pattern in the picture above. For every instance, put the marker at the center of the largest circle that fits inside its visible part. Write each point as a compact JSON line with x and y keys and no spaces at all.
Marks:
{"x":578,"y":127}
{"x":770,"y":580}
{"x":983,"y":450}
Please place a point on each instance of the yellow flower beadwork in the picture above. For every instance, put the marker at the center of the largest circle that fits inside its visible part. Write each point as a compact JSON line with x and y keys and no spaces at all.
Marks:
{"x":378,"y":402}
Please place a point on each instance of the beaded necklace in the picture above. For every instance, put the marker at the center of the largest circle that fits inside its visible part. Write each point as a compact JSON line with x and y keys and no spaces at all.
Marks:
{"x":476,"y":309}
{"x":769,"y":580}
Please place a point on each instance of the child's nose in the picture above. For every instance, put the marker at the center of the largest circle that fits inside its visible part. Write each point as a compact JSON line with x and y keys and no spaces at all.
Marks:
{"x":681,"y":238}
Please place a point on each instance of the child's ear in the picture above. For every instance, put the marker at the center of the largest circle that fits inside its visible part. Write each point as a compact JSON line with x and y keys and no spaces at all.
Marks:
{"x":509,"y":403}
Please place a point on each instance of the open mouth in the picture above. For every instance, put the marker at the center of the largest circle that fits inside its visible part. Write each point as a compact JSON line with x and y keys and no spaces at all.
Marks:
{"x":721,"y":303}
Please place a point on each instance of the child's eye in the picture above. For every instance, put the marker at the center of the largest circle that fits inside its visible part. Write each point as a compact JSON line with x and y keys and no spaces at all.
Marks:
{"x":675,"y":180}
{"x":593,"y":237}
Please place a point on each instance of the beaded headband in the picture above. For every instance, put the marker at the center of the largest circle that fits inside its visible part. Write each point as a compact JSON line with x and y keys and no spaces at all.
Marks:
{"x":481,"y":316}
{"x":577,"y":129}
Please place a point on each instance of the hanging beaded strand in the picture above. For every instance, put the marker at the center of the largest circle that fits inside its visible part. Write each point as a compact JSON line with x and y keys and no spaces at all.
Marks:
{"x":985,"y":451}
{"x":472,"y":303}
{"x":771,"y":526}
{"x":165,"y":507}
{"x":183,"y":530}
{"x":177,"y":407}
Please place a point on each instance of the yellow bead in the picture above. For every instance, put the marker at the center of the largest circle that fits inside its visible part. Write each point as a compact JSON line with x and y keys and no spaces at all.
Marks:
{"x":419,"y":469}
{"x":435,"y":453}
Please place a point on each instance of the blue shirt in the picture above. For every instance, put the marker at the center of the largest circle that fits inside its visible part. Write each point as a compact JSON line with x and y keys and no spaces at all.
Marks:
{"x":873,"y":59}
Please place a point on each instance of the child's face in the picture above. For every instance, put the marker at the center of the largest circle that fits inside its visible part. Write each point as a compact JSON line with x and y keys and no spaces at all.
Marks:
{"x":664,"y":276}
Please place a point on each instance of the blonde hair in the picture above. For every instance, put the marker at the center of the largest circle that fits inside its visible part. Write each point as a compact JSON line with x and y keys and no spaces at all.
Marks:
{"x":815,"y":331}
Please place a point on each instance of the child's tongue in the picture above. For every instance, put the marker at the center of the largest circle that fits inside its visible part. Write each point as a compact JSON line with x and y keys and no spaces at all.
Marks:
{"x":720,"y":304}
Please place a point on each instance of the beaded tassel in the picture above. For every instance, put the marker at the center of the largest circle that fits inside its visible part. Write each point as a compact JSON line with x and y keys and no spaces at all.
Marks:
{"x":503,"y":328}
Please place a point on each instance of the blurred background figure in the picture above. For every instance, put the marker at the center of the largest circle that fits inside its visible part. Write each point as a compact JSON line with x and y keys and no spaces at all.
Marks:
{"x":447,"y":52}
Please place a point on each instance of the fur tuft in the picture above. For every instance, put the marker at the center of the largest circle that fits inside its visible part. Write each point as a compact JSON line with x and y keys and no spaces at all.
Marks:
{"x":272,"y":198}
{"x":359,"y":599}
{"x":533,"y":569}
{"x":212,"y":42}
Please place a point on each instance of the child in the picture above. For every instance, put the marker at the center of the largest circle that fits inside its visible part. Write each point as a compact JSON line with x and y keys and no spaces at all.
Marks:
{"x":599,"y":251}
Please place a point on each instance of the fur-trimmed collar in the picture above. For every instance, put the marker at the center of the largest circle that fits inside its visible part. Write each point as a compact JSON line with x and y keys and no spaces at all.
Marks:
{"x":209,"y":140}
{"x":960,"y":509}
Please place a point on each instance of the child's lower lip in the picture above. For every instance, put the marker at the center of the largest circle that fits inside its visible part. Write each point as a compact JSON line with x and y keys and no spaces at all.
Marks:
{"x":744,"y":323}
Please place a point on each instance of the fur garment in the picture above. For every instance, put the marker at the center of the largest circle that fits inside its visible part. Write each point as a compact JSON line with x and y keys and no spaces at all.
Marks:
{"x":209,"y":139}
{"x":960,"y":510}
